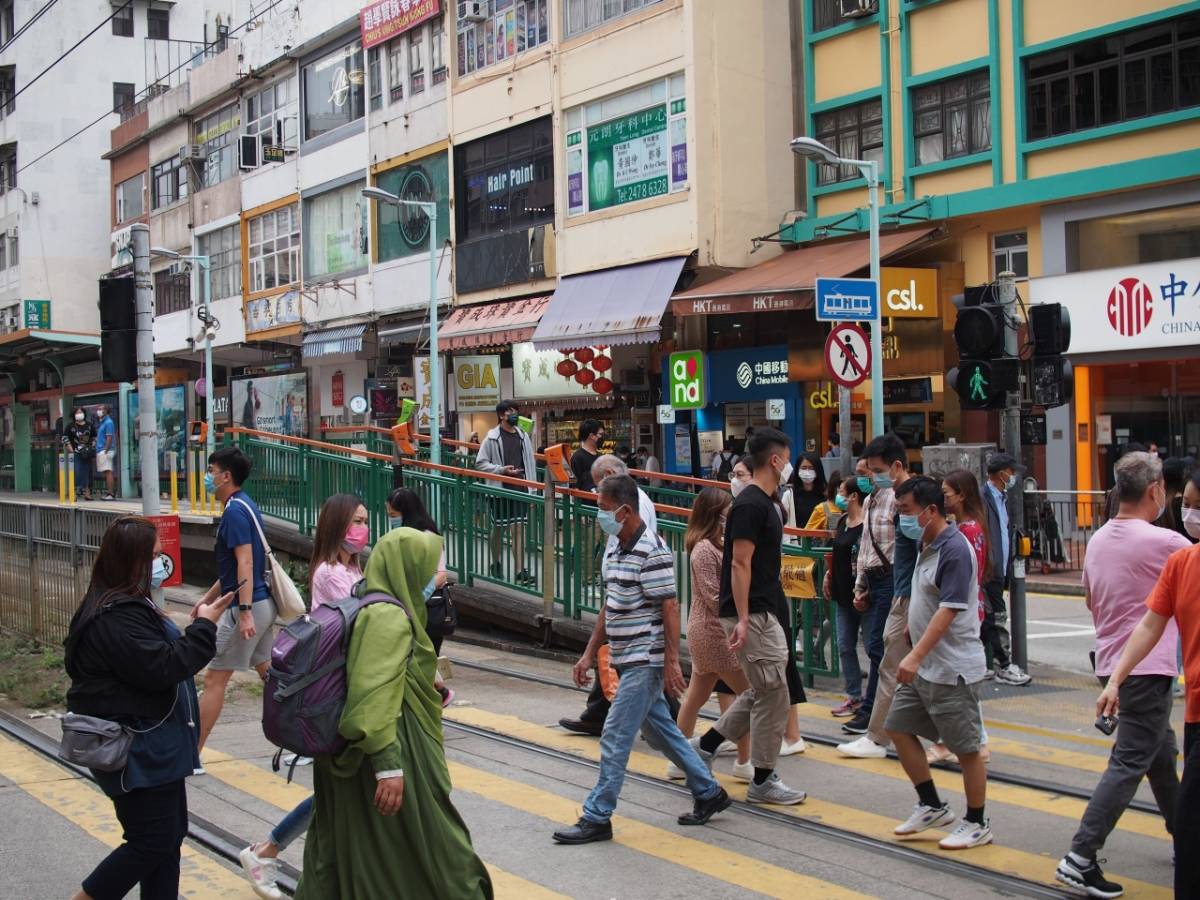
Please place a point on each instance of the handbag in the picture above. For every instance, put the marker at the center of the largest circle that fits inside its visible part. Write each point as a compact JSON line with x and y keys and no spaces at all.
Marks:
{"x":289,"y":604}
{"x":441,"y":614}
{"x":95,"y":743}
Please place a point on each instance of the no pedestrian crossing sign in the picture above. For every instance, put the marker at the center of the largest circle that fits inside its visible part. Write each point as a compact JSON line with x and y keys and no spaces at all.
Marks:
{"x":847,"y":299}
{"x":848,"y":355}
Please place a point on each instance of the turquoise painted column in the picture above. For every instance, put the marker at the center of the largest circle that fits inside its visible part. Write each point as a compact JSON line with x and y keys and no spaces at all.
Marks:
{"x":128,"y":449}
{"x":22,"y":445}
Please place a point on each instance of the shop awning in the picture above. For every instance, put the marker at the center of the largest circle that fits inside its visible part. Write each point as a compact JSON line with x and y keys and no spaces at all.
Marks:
{"x":329,"y":341}
{"x":611,"y":307}
{"x":491,"y":324}
{"x":400,"y":334}
{"x":788,"y":280}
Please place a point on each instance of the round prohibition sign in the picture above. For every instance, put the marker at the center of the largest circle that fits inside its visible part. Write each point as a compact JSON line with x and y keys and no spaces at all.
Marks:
{"x":848,"y":355}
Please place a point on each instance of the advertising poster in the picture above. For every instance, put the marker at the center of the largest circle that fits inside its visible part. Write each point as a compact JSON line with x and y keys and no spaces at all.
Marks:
{"x":404,"y":231}
{"x":172,"y":557}
{"x":421,"y":370}
{"x":274,"y":403}
{"x":683,"y":447}
{"x":628,"y":159}
{"x":172,"y":426}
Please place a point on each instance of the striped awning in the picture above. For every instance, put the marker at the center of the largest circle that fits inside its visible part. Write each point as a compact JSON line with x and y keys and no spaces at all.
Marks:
{"x":330,"y":341}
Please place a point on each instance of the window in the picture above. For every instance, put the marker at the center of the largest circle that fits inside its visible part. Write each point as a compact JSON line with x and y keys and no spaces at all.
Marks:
{"x":374,"y":79}
{"x":508,"y":28}
{"x":271,"y":113}
{"x":1010,"y":253}
{"x":215,"y":134}
{"x":14,"y":256}
{"x":628,"y":147}
{"x":828,"y":13}
{"x":129,"y":193}
{"x":273,"y":249}
{"x":3,"y":256}
{"x":506,"y":181}
{"x":855,"y":132}
{"x":8,"y":88}
{"x":584,"y":14}
{"x":395,"y":51}
{"x":334,"y":90}
{"x":122,"y":21}
{"x":437,"y":49}
{"x":172,"y":292}
{"x":168,"y":182}
{"x":123,"y":95}
{"x":158,"y":24}
{"x":1131,"y":238}
{"x":952,"y":118}
{"x":8,"y":20}
{"x":1115,"y":78}
{"x":335,"y":232}
{"x":416,"y":67}
{"x":8,"y":170}
{"x":223,"y":248}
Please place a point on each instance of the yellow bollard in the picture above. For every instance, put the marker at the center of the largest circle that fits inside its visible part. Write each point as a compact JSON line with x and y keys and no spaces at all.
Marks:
{"x":71,"y":478}
{"x":61,"y":466}
{"x":191,"y":488}
{"x":174,"y":483}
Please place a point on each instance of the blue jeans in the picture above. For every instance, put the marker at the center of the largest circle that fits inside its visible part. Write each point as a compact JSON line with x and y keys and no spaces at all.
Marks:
{"x":879,"y":589}
{"x":293,"y":825}
{"x":849,"y":622}
{"x":83,"y":473}
{"x":640,"y":704}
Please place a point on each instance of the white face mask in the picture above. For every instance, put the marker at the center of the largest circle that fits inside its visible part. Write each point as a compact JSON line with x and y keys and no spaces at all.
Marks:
{"x":808,"y":476}
{"x":736,"y":485}
{"x":1191,"y":522}
{"x":786,"y":474}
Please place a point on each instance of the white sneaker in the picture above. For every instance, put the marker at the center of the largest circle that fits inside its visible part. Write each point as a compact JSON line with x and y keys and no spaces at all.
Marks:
{"x":966,"y":835}
{"x":263,"y":873}
{"x":1012,"y":674}
{"x":296,"y":758}
{"x":774,"y":791}
{"x":743,"y":772}
{"x":863,"y":748}
{"x":924,"y":817}
{"x":706,"y":757}
{"x":792,"y":749}
{"x":674,"y":772}
{"x":727,"y":748}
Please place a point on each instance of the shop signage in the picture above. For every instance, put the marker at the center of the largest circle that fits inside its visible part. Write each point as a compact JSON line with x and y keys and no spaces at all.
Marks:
{"x":404,"y":230}
{"x":536,"y":377}
{"x":268,"y":313}
{"x":172,"y":557}
{"x":909,"y":293}
{"x":750,"y":373}
{"x":477,"y":383}
{"x":36,"y":313}
{"x":827,"y":397}
{"x":1136,"y":307}
{"x":423,"y":381}
{"x":628,"y":159}
{"x":846,"y":299}
{"x":382,"y":21}
{"x":666,"y":414}
{"x":848,"y":355}
{"x":337,"y":389}
{"x":777,"y":410}
{"x":744,"y":303}
{"x":121,"y":245}
{"x":274,"y":403}
{"x":686,"y":380}
{"x":908,"y":390}
{"x":358,"y":404}
{"x":683,"y":448}
{"x":796,"y":574}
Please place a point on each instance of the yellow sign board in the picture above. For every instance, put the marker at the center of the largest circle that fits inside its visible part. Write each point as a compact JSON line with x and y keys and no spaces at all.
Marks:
{"x":797,"y":574}
{"x":909,"y":293}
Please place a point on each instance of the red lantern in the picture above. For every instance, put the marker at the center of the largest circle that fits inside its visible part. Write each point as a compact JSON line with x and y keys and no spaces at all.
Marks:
{"x":585,"y":377}
{"x":601,"y":363}
{"x":585,"y":354}
{"x":567,"y":368}
{"x":602,"y":385}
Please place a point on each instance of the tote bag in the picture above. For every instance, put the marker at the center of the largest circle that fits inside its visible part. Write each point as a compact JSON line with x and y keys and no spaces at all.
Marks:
{"x":289,"y":604}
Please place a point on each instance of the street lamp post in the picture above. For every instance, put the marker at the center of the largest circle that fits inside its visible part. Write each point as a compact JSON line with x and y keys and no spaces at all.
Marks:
{"x":815,"y":150}
{"x":435,"y":400}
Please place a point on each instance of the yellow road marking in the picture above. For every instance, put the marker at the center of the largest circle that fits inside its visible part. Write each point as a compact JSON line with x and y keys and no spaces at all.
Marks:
{"x":81,"y":803}
{"x":1001,"y":859}
{"x":507,"y":886}
{"x":1104,"y":743}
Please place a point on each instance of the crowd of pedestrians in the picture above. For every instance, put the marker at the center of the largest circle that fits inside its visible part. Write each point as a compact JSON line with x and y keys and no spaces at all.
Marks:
{"x":92,"y":443}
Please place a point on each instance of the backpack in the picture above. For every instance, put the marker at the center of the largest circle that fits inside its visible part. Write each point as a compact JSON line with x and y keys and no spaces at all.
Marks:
{"x":726,"y":467}
{"x":441,"y":616}
{"x":305,"y":689}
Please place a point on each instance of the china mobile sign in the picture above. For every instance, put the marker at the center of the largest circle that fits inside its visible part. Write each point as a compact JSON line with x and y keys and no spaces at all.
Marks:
{"x":382,"y":21}
{"x":1137,"y":307}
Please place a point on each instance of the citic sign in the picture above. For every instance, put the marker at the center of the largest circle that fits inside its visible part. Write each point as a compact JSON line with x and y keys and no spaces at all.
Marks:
{"x":909,"y":293}
{"x":1130,"y":306}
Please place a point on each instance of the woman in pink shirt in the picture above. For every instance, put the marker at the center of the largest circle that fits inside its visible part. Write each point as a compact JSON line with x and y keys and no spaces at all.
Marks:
{"x":342,"y":534}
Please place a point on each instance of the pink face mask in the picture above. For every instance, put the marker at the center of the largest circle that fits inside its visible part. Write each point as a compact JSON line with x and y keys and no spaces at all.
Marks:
{"x":356,"y":539}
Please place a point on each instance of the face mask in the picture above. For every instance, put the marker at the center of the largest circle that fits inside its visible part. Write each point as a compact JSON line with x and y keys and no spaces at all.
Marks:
{"x":865,"y":484}
{"x":883,"y":480}
{"x":841,"y":502}
{"x":607,"y":519}
{"x":356,"y":538}
{"x":736,"y":486}
{"x":395,"y":522}
{"x":209,"y":485}
{"x":1011,"y":483}
{"x":910,"y":527}
{"x":1191,"y":522}
{"x":808,"y":476}
{"x":513,"y":419}
{"x":430,"y":588}
{"x":78,"y":417}
{"x":786,"y":474}
{"x":158,"y":573}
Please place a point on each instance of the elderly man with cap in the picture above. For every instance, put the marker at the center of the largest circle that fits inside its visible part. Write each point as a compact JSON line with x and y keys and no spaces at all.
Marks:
{"x":1002,"y":477}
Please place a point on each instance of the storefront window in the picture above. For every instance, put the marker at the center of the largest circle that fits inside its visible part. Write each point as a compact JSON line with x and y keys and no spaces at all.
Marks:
{"x":215,"y":134}
{"x":1155,"y":235}
{"x":334,"y":90}
{"x":273,"y":247}
{"x":952,"y":118}
{"x":628,"y":147}
{"x":271,"y":113}
{"x":335,"y":232}
{"x":506,"y":181}
{"x":224,"y":251}
{"x":506,"y":28}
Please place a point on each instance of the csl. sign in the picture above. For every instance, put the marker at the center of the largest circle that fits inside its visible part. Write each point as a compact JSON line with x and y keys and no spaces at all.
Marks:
{"x":909,"y":293}
{"x":687,"y":380}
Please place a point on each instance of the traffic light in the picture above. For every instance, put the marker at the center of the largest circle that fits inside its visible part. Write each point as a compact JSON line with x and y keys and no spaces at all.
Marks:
{"x":118,"y":332}
{"x":1052,"y":376}
{"x":984,"y":375}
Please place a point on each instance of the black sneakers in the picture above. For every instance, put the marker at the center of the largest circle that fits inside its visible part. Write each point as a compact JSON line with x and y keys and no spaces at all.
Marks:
{"x":584,"y":832}
{"x":1087,"y":878}
{"x":857,"y":725}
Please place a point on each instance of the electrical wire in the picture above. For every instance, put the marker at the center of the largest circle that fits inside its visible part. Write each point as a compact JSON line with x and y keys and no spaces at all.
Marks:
{"x":28,"y":22}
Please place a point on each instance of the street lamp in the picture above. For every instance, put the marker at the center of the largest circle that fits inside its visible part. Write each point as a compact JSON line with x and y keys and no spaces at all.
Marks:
{"x":430,"y":210}
{"x":815,"y":150}
{"x":205,"y":263}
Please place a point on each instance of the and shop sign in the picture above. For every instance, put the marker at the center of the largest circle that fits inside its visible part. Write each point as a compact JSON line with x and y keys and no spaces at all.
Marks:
{"x":628,"y":159}
{"x":751,"y":373}
{"x":1137,"y":307}
{"x":743,"y":303}
{"x":477,"y":383}
{"x":382,"y":21}
{"x":909,"y":293}
{"x":686,"y":380}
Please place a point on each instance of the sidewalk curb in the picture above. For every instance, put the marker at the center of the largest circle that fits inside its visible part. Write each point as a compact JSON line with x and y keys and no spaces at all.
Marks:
{"x":1070,"y":589}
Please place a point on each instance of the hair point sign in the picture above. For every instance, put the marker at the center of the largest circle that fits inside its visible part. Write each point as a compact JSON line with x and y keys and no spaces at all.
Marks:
{"x":687,"y":380}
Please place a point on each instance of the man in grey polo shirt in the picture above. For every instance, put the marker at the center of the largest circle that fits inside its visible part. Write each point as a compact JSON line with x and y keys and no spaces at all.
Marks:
{"x":937,"y":697}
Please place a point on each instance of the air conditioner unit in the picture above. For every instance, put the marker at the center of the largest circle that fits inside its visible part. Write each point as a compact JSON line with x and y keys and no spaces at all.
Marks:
{"x":10,"y":322}
{"x":249,"y":151}
{"x":856,"y":9}
{"x":472,"y":11}
{"x":190,"y":152}
{"x":177,"y":268}
{"x":12,"y":232}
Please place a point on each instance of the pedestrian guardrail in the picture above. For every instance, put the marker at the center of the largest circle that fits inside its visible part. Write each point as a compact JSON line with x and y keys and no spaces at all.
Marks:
{"x":1060,"y":523}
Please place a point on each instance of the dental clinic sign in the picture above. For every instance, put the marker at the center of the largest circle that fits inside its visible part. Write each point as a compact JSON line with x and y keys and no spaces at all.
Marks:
{"x":1137,"y":307}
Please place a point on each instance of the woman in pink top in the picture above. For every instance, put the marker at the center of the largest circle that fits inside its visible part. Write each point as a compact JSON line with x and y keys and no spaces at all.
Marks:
{"x":342,"y":534}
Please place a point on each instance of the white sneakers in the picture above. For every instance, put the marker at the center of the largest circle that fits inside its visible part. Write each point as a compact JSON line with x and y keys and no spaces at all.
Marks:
{"x":743,"y":771}
{"x":967,"y":835}
{"x":924,"y":817}
{"x":787,"y":749}
{"x":862,"y":748}
{"x":263,"y":874}
{"x":1012,"y":674}
{"x":775,"y":792}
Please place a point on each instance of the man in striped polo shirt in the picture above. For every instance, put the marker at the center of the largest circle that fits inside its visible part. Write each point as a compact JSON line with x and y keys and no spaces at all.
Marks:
{"x":640,"y":621}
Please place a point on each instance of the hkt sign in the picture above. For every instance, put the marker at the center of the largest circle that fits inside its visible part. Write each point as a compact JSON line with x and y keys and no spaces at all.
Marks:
{"x":687,"y":380}
{"x":1138,"y":307}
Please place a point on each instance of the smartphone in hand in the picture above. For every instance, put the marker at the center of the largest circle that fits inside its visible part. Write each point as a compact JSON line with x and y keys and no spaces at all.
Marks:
{"x":1106,"y":724}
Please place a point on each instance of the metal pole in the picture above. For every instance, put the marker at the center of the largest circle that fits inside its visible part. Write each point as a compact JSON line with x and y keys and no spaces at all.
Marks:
{"x":147,"y":430}
{"x":1010,"y":436}
{"x":210,"y":385}
{"x":435,"y":419}
{"x":844,"y":455}
{"x":872,"y":174}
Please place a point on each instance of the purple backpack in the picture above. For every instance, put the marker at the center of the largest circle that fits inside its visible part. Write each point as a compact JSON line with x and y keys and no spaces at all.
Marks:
{"x":305,"y":689}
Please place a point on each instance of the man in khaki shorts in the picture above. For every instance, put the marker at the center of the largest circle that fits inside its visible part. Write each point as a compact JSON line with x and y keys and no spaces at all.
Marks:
{"x":106,"y":445}
{"x":937,"y":697}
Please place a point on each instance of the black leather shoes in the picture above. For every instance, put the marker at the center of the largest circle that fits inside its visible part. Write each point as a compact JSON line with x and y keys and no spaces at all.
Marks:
{"x":586,"y":832}
{"x":581,"y":726}
{"x":706,"y":809}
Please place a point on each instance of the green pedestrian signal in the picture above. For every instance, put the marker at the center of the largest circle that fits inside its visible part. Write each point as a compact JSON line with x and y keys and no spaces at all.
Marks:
{"x":979,"y":390}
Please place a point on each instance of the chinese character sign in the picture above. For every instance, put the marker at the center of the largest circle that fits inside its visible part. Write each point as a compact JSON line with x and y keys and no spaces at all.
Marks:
{"x":382,"y":21}
{"x":628,"y":159}
{"x":37,"y":314}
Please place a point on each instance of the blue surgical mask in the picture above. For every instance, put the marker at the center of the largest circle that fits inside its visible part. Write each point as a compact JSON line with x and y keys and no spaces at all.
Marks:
{"x":883,"y":480}
{"x":209,"y":485}
{"x":1012,"y":482}
{"x":395,"y":522}
{"x":513,"y":419}
{"x":865,"y":484}
{"x":841,"y":502}
{"x":910,"y":527}
{"x":158,"y":573}
{"x":607,"y":519}
{"x":430,"y":588}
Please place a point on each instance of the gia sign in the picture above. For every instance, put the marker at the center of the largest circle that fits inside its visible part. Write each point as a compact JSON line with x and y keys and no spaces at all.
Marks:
{"x":687,"y":380}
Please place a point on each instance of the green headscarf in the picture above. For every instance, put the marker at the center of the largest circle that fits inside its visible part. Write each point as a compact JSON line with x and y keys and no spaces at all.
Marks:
{"x":401,"y":564}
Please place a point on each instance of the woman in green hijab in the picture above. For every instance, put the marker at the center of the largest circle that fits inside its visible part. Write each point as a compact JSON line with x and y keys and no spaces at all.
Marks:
{"x":383,"y":823}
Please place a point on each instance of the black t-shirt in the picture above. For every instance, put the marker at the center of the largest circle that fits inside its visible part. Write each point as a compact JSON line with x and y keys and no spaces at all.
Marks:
{"x":754,"y":517}
{"x":804,"y":502}
{"x":581,"y":465}
{"x":845,"y":555}
{"x":512,"y":449}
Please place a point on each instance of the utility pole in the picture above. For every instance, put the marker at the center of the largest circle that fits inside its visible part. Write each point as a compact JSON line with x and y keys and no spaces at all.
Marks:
{"x":845,"y":457}
{"x":1010,"y":436}
{"x":147,"y":429}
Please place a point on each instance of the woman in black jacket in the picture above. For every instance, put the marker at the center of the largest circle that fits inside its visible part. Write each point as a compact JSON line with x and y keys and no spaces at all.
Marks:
{"x":129,"y":663}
